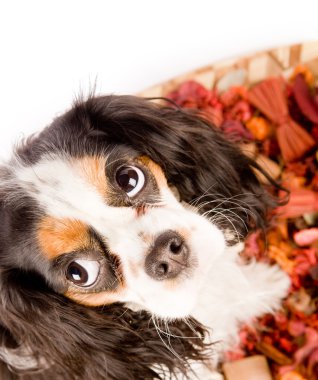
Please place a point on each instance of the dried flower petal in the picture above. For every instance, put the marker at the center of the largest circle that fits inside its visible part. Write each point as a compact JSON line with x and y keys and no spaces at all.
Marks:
{"x":310,"y":346}
{"x":240,"y":111}
{"x":306,"y":237}
{"x":190,"y":92}
{"x":259,"y":127}
{"x":236,"y":131}
{"x":269,"y":97}
{"x":233,"y":95}
{"x":300,"y":301}
{"x":300,"y":202}
{"x":296,"y":328}
{"x":305,"y":72}
{"x":304,"y":99}
{"x":293,"y":140}
{"x":292,"y":375}
{"x":313,"y":363}
{"x":273,"y":353}
{"x":314,"y":132}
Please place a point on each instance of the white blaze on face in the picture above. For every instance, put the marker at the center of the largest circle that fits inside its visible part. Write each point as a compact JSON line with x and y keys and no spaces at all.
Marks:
{"x":61,"y":189}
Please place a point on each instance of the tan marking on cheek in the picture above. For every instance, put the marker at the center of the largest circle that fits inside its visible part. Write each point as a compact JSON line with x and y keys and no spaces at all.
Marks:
{"x":134,"y":269}
{"x":59,"y":236}
{"x":146,"y":238}
{"x":155,"y":170}
{"x":92,"y":169}
{"x":184,"y":233}
{"x":173,"y":285}
{"x":95,"y":299}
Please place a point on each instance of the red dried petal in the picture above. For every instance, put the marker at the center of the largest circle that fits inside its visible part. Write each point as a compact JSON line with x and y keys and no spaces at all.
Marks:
{"x":240,"y":111}
{"x":286,"y":345}
{"x":296,"y":328}
{"x":305,"y":101}
{"x":313,"y":362}
{"x":299,"y":168}
{"x":314,"y":133}
{"x":300,"y":203}
{"x":310,"y":345}
{"x":236,"y":131}
{"x":231,"y":96}
{"x":190,"y":93}
{"x":314,"y":182}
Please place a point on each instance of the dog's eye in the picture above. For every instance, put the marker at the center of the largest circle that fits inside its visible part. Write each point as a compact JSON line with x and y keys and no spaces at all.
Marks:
{"x":131,"y":179}
{"x":83,"y":272}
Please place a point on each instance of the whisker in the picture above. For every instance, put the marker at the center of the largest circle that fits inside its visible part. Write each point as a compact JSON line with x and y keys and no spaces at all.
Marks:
{"x":169,"y":347}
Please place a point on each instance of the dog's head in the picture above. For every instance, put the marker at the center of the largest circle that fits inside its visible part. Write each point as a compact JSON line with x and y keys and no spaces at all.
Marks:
{"x":121,"y":201}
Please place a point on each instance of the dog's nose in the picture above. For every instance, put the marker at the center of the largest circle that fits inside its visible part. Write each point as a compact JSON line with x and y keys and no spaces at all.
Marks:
{"x":168,"y":256}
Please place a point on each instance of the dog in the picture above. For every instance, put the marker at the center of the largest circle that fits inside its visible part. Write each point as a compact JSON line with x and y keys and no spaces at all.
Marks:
{"x":121,"y":228}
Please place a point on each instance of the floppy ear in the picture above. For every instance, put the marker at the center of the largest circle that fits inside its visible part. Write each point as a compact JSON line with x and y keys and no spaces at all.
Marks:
{"x":198,"y":160}
{"x":63,"y":340}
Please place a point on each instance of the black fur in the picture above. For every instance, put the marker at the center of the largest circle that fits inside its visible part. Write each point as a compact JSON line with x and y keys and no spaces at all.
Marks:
{"x":112,"y":342}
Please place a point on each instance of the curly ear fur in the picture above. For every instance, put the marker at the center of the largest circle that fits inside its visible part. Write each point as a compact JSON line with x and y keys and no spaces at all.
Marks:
{"x":70,"y":341}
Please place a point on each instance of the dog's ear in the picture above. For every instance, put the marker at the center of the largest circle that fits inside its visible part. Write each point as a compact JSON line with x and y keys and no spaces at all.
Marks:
{"x":63,"y":340}
{"x":206,"y":168}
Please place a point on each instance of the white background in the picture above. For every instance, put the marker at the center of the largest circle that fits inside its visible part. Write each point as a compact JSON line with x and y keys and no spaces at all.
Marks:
{"x":52,"y":50}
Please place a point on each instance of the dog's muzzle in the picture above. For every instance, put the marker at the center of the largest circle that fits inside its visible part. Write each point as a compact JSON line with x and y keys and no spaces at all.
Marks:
{"x":168,"y":256}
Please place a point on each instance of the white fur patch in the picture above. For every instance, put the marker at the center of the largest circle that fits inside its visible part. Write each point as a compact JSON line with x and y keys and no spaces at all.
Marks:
{"x":21,"y":359}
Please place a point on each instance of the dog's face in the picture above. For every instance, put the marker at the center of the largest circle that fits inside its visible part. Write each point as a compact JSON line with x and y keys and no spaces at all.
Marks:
{"x":99,"y":209}
{"x":109,"y":229}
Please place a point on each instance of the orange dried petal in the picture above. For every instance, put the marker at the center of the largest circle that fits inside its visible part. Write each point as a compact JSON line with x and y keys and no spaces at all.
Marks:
{"x":259,"y":127}
{"x":293,"y":375}
{"x":307,"y":74}
{"x":281,"y":258}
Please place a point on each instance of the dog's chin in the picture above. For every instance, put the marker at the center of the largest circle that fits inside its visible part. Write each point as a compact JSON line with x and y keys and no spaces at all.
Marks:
{"x":179,"y":311}
{"x":171,"y":304}
{"x":165,"y":311}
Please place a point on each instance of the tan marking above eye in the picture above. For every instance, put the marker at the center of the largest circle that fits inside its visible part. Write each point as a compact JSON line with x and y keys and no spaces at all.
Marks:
{"x":92,"y":169}
{"x":155,"y":170}
{"x":95,"y":299}
{"x":58,"y":236}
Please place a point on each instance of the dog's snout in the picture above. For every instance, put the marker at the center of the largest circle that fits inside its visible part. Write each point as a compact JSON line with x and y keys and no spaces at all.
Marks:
{"x":168,"y":256}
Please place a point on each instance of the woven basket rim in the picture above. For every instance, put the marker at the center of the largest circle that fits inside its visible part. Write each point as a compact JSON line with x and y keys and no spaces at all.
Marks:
{"x":256,"y":66}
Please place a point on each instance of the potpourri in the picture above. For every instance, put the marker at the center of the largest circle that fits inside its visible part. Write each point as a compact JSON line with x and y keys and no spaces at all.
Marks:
{"x":276,"y":122}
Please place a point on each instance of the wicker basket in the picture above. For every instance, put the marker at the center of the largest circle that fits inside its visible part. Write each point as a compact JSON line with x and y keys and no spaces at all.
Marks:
{"x":247,"y":70}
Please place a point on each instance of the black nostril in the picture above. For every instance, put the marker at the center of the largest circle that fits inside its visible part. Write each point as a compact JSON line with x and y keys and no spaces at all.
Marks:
{"x":176,"y":247}
{"x":162,"y":269}
{"x":168,"y":256}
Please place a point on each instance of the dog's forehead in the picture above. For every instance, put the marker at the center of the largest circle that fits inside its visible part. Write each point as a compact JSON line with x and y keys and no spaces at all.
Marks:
{"x":85,"y":182}
{"x":77,"y":193}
